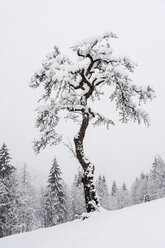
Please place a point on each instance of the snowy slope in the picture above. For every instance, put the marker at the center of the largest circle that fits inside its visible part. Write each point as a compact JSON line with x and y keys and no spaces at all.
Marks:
{"x":140,"y":226}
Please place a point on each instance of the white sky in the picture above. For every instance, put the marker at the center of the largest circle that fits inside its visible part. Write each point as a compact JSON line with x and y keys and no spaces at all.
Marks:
{"x":29,"y":30}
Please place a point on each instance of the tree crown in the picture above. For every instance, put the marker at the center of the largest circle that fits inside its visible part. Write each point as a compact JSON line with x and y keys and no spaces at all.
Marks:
{"x":69,"y":86}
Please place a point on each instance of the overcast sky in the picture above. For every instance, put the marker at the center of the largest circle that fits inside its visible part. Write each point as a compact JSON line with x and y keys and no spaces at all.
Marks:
{"x":29,"y":30}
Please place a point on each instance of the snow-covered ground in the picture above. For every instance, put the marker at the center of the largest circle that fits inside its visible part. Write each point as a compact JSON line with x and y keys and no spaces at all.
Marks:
{"x":140,"y":226}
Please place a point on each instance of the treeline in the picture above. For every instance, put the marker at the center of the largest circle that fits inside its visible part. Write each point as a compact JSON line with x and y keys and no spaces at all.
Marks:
{"x":26,"y":207}
{"x":145,"y":188}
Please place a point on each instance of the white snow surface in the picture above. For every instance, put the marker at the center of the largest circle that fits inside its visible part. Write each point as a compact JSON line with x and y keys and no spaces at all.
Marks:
{"x":140,"y":226}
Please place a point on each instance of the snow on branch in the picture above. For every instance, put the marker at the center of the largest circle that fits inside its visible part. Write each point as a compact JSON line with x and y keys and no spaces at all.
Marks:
{"x":69,"y":86}
{"x":88,"y":46}
{"x":70,"y":148}
{"x":122,"y":95}
{"x":100,"y":119}
{"x":47,"y":121}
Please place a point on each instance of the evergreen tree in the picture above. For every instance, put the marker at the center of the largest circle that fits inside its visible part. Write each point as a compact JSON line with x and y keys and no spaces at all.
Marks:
{"x":114,"y":196}
{"x":8,"y":195}
{"x":77,"y":193}
{"x":70,"y":211}
{"x":124,"y":187}
{"x":54,"y":197}
{"x":48,"y":208}
{"x":143,"y":193}
{"x":40,"y":213}
{"x":28,"y":201}
{"x":103,"y":192}
{"x":140,"y":189}
{"x":5,"y":166}
{"x":114,"y":189}
{"x":157,"y":179}
{"x":123,"y":199}
{"x":134,"y":192}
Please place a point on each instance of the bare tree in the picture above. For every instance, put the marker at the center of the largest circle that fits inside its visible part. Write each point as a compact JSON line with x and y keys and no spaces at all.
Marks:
{"x":70,"y":87}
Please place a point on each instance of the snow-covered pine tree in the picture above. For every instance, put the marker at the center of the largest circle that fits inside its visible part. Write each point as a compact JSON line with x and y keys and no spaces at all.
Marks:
{"x":77,"y":193}
{"x":123,"y":197}
{"x":114,"y":188}
{"x":114,"y":196}
{"x":134,"y":192}
{"x":140,"y":189}
{"x":5,"y":166}
{"x":40,"y":213}
{"x":27,"y":210}
{"x":143,"y":189}
{"x":13,"y":222}
{"x":157,"y":179}
{"x":54,"y":198}
{"x":103,"y":192}
{"x":8,"y":194}
{"x":48,"y":209}
{"x":70,"y":87}
{"x":99,"y":189}
{"x":124,"y":187}
{"x":68,"y":202}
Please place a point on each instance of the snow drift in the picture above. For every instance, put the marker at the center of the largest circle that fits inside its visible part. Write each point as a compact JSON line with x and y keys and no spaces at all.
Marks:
{"x":140,"y":226}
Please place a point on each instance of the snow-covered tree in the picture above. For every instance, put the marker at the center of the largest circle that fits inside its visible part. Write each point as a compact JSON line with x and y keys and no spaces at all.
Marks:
{"x":140,"y":189}
{"x":27,"y":210}
{"x":71,"y":87}
{"x":54,"y":198}
{"x":134,"y":192}
{"x":48,"y":209}
{"x":114,"y":196}
{"x":157,"y":179}
{"x":8,"y":195}
{"x":8,"y":206}
{"x":77,"y":194}
{"x":5,"y":166}
{"x":40,"y":213}
{"x":123,"y":198}
{"x":103,"y":192}
{"x":70,"y":213}
{"x":124,"y":187}
{"x":143,"y":192}
{"x":114,"y":188}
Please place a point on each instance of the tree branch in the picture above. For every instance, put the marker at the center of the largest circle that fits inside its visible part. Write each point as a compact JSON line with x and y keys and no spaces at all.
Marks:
{"x":70,"y":148}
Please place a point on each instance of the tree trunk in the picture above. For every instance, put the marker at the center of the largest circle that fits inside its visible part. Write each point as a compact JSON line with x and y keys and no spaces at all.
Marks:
{"x":88,"y":175}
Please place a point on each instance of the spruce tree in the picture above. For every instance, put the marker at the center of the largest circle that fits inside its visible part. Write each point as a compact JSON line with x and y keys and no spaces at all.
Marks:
{"x":134,"y":192}
{"x":103,"y":192}
{"x":143,"y":192}
{"x":54,"y":198}
{"x":77,"y":193}
{"x":124,"y":187}
{"x":48,"y":208}
{"x":5,"y":166}
{"x":157,"y":179}
{"x":68,"y":202}
{"x":123,"y":197}
{"x":8,"y":194}
{"x":114,"y":188}
{"x":28,"y":201}
{"x":114,"y":197}
{"x":40,"y":214}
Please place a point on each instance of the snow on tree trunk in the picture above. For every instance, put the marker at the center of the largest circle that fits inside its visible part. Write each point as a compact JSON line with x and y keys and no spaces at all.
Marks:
{"x":88,"y":175}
